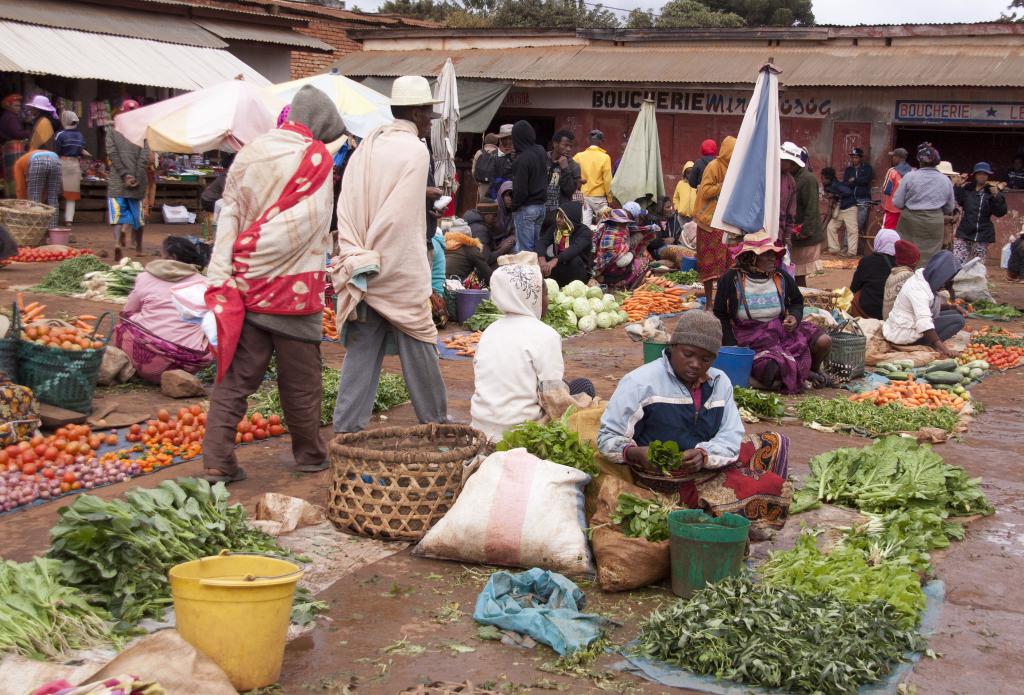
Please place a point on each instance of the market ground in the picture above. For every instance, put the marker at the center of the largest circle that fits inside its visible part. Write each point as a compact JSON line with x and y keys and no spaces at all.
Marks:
{"x":404,"y":621}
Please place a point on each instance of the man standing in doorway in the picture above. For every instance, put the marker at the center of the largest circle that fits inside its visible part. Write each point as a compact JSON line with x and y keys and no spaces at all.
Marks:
{"x":897,"y":171}
{"x":563,"y":172}
{"x":843,"y":213}
{"x":529,"y":185}
{"x":858,"y":177}
{"x":381,"y":274}
{"x":596,"y":170}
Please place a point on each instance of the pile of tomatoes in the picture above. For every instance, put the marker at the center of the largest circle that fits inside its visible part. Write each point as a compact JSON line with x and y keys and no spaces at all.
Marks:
{"x":998,"y":356}
{"x":44,"y":254}
{"x":257,"y":428}
{"x":62,"y":337}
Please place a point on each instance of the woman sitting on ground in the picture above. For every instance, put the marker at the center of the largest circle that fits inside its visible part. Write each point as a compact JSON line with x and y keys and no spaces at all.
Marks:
{"x":665,"y":246}
{"x":151,"y":330}
{"x":681,"y":398}
{"x":919,"y":317}
{"x":906,"y":258}
{"x":761,"y":308}
{"x":564,"y":246}
{"x":621,"y":260}
{"x":463,"y":255}
{"x":868,"y":284}
{"x":518,"y":368}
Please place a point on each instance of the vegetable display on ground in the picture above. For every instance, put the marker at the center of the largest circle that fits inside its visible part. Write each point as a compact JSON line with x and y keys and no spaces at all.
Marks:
{"x":391,"y":392}
{"x":464,"y":344}
{"x":640,"y":518}
{"x":651,"y":299}
{"x":891,"y":418}
{"x":117,"y":282}
{"x":761,"y":403}
{"x":553,"y":442}
{"x":993,"y":310}
{"x":486,"y":313}
{"x":589,"y":308}
{"x":682,"y":277}
{"x":46,"y":254}
{"x":914,"y":394}
{"x":778,"y":638}
{"x":67,"y":277}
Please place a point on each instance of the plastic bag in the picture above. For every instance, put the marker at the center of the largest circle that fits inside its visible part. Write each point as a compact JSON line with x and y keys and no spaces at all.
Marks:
{"x":971,"y":283}
{"x":176,"y":214}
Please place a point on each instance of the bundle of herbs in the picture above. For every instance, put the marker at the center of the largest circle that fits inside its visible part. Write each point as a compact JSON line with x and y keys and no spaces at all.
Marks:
{"x":778,"y":638}
{"x":111,"y":283}
{"x":67,"y":277}
{"x":640,"y":518}
{"x":119,"y":551}
{"x":41,"y":617}
{"x":552,"y":442}
{"x":760,"y":403}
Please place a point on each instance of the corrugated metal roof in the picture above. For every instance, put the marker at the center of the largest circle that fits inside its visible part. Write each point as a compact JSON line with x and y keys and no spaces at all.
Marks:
{"x":78,"y":54}
{"x":261,"y":33}
{"x":115,"y":21}
{"x":997,"y":66}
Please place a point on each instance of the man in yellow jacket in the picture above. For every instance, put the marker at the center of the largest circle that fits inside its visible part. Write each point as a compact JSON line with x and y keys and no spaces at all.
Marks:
{"x":685,"y":195}
{"x":596,"y":173}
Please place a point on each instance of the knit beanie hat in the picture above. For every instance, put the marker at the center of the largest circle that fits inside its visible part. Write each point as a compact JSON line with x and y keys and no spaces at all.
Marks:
{"x":700,"y":329}
{"x":708,"y":148}
{"x":314,"y":109}
{"x":907,"y":254}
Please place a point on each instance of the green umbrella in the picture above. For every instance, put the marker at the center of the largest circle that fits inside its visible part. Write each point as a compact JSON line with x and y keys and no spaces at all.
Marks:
{"x":639,"y":174}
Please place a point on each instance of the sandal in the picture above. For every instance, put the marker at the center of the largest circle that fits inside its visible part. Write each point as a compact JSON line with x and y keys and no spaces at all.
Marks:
{"x":215,"y":475}
{"x":313,"y":467}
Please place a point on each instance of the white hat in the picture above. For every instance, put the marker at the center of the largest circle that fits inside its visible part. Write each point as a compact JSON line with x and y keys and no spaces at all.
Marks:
{"x":505,"y":131}
{"x":412,"y":90}
{"x":946,"y":168}
{"x":791,"y":152}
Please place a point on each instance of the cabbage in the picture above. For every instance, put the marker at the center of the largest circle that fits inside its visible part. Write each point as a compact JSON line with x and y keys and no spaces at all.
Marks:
{"x":564,"y":300}
{"x":594,"y":293}
{"x":609,"y":304}
{"x":575,"y":289}
{"x":623,"y":316}
{"x":596,"y":304}
{"x":604,"y":320}
{"x":570,"y":317}
{"x":587,"y":323}
{"x":608,"y":298}
{"x":581,"y":307}
{"x":552,"y":288}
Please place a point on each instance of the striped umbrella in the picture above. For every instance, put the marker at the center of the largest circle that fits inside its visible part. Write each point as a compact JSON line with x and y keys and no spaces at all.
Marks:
{"x":362,"y":108}
{"x":749,"y":201}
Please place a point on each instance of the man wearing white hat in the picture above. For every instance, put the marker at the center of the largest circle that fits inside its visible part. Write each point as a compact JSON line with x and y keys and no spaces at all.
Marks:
{"x":381,"y":273}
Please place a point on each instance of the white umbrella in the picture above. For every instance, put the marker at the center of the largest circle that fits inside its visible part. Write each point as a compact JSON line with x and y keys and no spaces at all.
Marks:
{"x":444,"y":130}
{"x":224,"y":116}
{"x":362,"y":109}
{"x":749,"y":201}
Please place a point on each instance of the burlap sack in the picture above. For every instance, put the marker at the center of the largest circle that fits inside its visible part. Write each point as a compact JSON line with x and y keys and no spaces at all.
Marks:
{"x":624,"y":563}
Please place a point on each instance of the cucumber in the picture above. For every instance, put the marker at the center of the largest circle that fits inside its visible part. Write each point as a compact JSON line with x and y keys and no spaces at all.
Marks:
{"x":943,"y":377}
{"x":942,"y":366}
{"x":903,"y":365}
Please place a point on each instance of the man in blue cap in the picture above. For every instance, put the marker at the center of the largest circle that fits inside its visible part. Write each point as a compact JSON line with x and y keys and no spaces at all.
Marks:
{"x":858,"y":176}
{"x":981,"y":200}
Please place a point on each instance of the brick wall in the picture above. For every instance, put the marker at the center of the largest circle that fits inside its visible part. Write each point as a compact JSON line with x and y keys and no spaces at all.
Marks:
{"x":332,"y":32}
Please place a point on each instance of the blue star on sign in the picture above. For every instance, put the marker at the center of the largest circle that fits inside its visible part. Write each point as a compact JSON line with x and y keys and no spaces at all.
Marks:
{"x":991,"y":113}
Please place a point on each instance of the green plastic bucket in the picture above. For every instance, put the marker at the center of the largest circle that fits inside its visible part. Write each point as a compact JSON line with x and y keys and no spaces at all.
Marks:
{"x":652,"y":351}
{"x":704,"y":548}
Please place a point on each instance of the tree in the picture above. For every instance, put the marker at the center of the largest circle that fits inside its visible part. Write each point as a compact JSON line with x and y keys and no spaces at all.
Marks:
{"x":685,"y":14}
{"x":1011,"y":12}
{"x":764,"y":13}
{"x":640,"y":19}
{"x":418,"y":9}
{"x":557,"y":14}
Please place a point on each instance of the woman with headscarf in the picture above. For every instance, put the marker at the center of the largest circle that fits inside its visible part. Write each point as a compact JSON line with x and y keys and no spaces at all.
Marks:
{"x":761,"y":308}
{"x":918,"y":316}
{"x":621,"y":259}
{"x":924,"y":196}
{"x":463,"y":254}
{"x":565,"y":246}
{"x":518,"y":368}
{"x":868,"y":284}
{"x":43,"y":123}
{"x":712,"y":254}
{"x":13,"y":135}
{"x":906,"y":256}
{"x":684,"y":196}
{"x":502,"y":241}
{"x":70,"y":147}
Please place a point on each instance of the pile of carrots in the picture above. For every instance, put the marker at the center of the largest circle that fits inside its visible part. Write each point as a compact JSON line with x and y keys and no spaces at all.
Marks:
{"x":912,"y":394}
{"x":653,"y":298}
{"x":464,"y":344}
{"x":659,"y":282}
{"x":330,"y":324}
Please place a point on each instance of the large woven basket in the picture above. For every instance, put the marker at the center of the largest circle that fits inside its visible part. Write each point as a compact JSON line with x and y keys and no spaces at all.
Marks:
{"x":397,"y":482}
{"x":26,"y":221}
{"x":849,"y":347}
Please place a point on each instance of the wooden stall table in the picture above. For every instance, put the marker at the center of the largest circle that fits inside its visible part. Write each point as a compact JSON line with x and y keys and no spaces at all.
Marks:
{"x":93,"y":205}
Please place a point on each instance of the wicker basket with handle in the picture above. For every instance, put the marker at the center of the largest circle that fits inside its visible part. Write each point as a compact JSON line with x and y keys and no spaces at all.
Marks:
{"x":26,"y":221}
{"x":397,"y":482}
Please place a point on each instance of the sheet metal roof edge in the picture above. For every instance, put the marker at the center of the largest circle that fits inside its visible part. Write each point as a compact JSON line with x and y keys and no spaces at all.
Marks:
{"x":262,"y":34}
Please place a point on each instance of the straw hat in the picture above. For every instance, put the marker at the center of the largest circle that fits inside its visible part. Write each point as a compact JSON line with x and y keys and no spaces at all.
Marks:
{"x":412,"y":90}
{"x":946,"y":168}
{"x":760,"y":242}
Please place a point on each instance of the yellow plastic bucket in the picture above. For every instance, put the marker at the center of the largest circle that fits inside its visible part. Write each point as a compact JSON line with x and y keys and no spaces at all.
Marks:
{"x":235,"y":609}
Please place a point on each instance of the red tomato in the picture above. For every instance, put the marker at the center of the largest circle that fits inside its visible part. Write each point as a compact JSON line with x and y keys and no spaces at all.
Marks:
{"x":51,"y":453}
{"x":247,"y":437}
{"x":28,"y":469}
{"x":49,"y":473}
{"x":276,"y":430}
{"x":274,"y":419}
{"x":260,"y":433}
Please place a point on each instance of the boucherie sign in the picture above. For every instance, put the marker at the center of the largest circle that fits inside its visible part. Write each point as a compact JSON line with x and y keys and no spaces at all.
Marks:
{"x":726,"y":102}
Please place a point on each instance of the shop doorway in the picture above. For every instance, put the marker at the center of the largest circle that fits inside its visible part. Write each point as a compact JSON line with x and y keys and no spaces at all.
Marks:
{"x":963,"y":146}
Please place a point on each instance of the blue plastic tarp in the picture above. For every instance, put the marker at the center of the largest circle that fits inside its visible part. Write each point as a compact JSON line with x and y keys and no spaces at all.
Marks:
{"x":539,"y":603}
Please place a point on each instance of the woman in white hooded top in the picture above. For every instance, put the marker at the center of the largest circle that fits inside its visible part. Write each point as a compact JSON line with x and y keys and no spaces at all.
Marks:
{"x":518,"y":368}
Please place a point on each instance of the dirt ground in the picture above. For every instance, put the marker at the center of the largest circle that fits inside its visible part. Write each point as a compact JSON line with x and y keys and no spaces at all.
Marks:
{"x":403,"y":621}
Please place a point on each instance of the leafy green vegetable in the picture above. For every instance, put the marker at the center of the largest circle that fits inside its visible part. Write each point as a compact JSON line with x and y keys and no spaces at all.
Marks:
{"x":760,"y":403}
{"x":553,"y":442}
{"x":67,"y":277}
{"x":993,"y":310}
{"x":486,"y":313}
{"x":683,"y":277}
{"x":43,"y":618}
{"x":557,"y":317}
{"x":778,"y":638}
{"x":391,"y":392}
{"x":864,"y":416}
{"x":119,"y":551}
{"x":904,"y":536}
{"x":847,"y":574}
{"x":665,"y":456}
{"x":640,"y":518}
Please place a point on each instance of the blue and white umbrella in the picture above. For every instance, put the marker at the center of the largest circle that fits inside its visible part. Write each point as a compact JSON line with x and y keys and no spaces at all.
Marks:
{"x":749,"y":201}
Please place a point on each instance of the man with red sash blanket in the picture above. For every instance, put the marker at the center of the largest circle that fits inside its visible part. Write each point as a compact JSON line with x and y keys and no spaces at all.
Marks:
{"x":267,"y":279}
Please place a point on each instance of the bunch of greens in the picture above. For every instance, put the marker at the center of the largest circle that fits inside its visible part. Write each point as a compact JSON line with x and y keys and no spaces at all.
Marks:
{"x":993,"y":310}
{"x":777,"y":638}
{"x":847,"y":574}
{"x":558,"y":317}
{"x":43,"y":618}
{"x":117,"y":281}
{"x":486,"y":313}
{"x":760,"y":403}
{"x":391,"y":392}
{"x":683,"y":277}
{"x":893,"y":473}
{"x":552,"y":442}
{"x":665,"y":456}
{"x":67,"y":277}
{"x":864,"y":416}
{"x":119,"y":551}
{"x":904,"y":536}
{"x":640,"y":518}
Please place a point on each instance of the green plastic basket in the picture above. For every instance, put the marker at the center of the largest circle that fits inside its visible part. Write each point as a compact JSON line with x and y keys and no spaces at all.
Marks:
{"x":64,"y":378}
{"x":705,"y":549}
{"x":652,"y":351}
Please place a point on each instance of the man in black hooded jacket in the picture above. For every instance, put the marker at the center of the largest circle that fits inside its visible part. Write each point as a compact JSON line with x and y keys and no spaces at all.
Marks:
{"x":529,"y":185}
